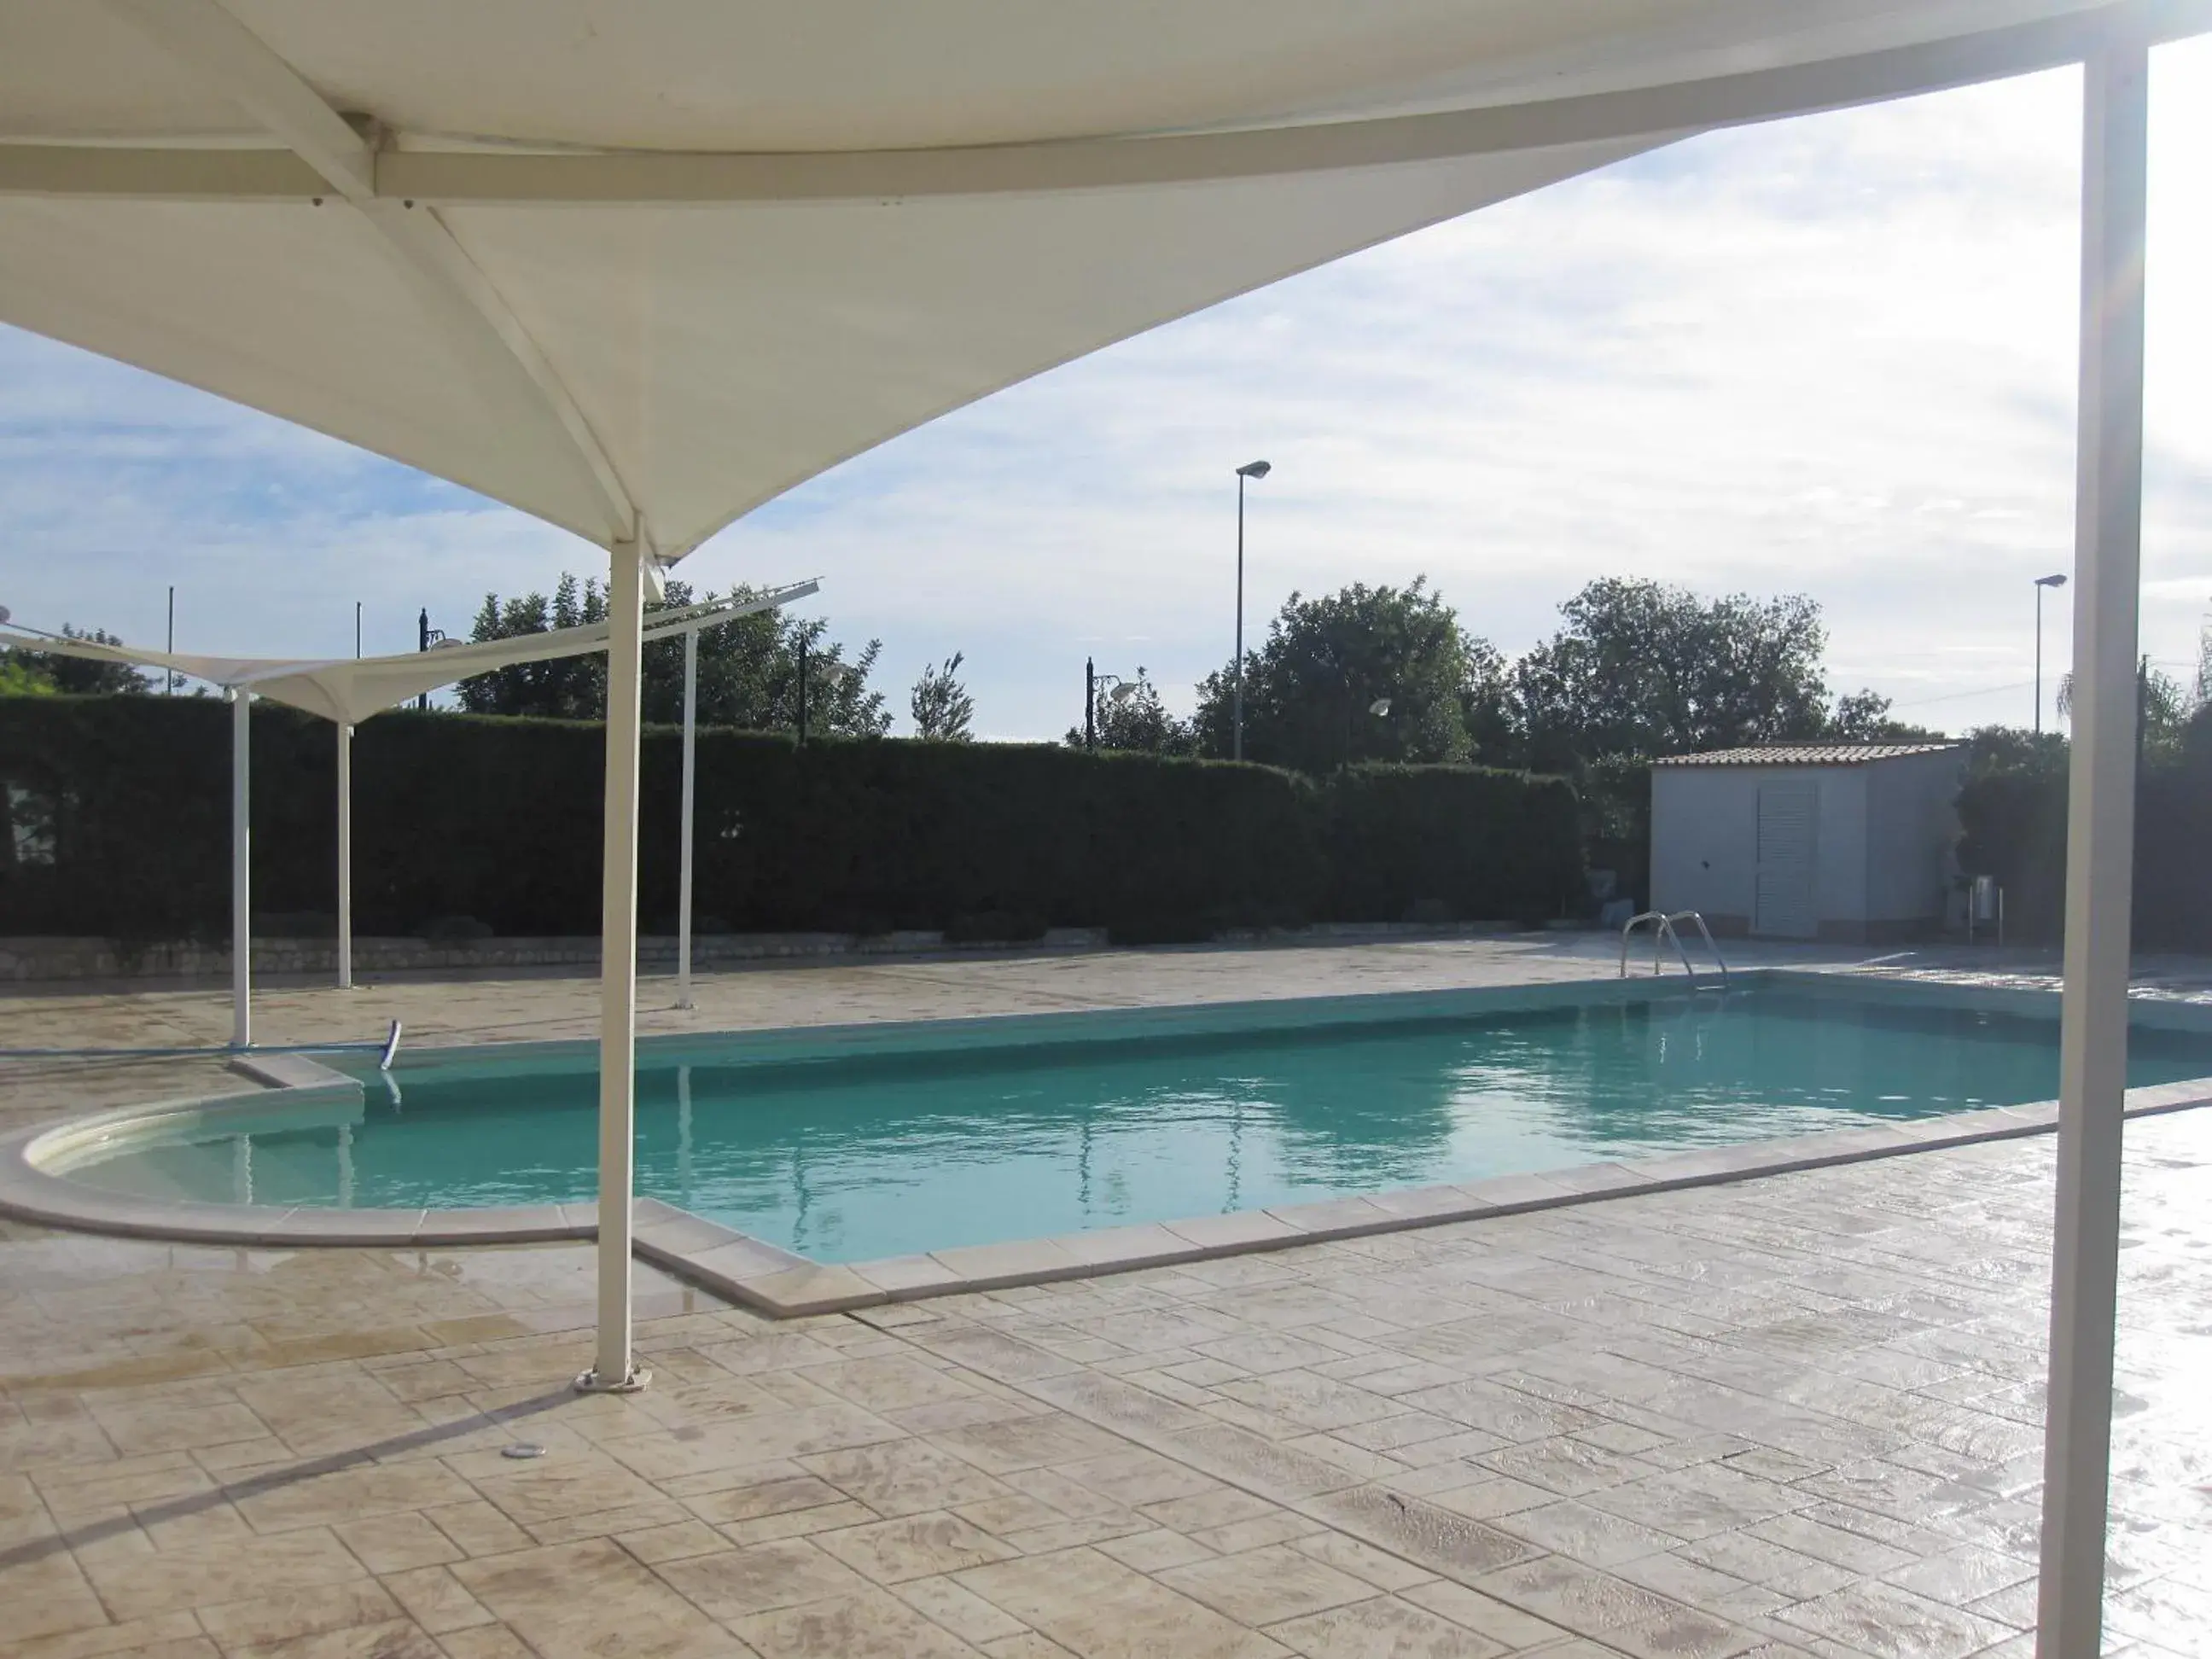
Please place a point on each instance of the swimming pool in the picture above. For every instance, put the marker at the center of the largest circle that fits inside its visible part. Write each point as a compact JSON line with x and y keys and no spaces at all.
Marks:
{"x":859,"y":1143}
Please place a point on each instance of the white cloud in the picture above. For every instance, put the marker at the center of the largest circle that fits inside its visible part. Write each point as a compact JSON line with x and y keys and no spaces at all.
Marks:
{"x":1833,"y":356}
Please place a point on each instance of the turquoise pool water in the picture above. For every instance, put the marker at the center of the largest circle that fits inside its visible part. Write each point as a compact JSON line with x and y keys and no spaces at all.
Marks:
{"x":849,"y":1149}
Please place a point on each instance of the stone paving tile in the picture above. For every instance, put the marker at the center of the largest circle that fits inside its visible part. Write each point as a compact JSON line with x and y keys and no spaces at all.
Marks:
{"x":592,"y":1598}
{"x":1266,"y":1585}
{"x":869,"y":1625}
{"x":1795,"y":1417}
{"x":1097,"y":1608}
{"x":1382,"y":1625}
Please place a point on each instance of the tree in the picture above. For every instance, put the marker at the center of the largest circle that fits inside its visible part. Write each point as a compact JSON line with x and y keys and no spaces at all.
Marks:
{"x":1645,"y":669}
{"x":2162,"y":705}
{"x":1366,"y":673}
{"x":1138,"y":722}
{"x":565,"y":688}
{"x":1863,"y":716}
{"x":2014,"y":749}
{"x":19,"y":679}
{"x":747,"y":667}
{"x":940,"y":705}
{"x":76,"y":677}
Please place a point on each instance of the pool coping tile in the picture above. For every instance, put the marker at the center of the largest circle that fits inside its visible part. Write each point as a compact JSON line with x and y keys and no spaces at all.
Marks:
{"x":1237,"y":1230}
{"x":1018,"y":1261}
{"x":1111,"y":1249}
{"x":1336,"y":1217}
{"x":902,"y":1276}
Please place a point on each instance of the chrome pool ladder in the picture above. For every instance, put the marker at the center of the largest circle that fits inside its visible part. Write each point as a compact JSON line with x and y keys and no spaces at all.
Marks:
{"x":1663,"y":933}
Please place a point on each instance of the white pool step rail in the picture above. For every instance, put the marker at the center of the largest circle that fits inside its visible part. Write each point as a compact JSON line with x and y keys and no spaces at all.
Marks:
{"x":1664,"y":932}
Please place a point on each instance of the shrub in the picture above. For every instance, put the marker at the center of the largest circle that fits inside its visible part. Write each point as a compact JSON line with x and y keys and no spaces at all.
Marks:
{"x":2013,"y":821}
{"x":1466,"y":841}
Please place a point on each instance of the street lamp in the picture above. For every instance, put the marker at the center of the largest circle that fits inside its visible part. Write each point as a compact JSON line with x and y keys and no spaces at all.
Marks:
{"x":425,"y":637}
{"x":1119,"y":689}
{"x":1249,"y":470}
{"x":2041,"y":582}
{"x":827,"y":670}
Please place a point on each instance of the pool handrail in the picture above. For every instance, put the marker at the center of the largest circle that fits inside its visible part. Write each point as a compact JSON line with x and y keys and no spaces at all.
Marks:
{"x":1719,"y":961}
{"x":1664,"y":931}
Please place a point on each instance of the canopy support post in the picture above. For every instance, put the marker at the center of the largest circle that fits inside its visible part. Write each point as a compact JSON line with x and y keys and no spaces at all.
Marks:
{"x":241,"y":897}
{"x":691,"y":795}
{"x":345,"y":856}
{"x":613,"y":1372}
{"x":2100,"y":837}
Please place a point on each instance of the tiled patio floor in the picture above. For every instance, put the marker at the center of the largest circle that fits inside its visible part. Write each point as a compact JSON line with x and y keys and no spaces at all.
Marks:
{"x":1793,"y":1416}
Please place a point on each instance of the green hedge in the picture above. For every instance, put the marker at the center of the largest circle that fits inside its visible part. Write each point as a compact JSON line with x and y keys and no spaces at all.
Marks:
{"x":499,"y":820}
{"x":2015,"y":828}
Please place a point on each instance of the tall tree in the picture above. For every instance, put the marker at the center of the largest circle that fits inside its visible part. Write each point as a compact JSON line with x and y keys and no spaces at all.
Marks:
{"x":19,"y":679}
{"x":76,"y":677}
{"x":940,"y":705}
{"x":1138,"y":722}
{"x":747,"y":668}
{"x":2163,"y":705}
{"x":565,"y":688}
{"x":1863,"y":716}
{"x":1645,"y":669}
{"x":1365,"y":673}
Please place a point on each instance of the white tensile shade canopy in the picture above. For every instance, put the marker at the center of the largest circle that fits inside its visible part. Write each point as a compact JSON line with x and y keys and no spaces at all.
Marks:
{"x":635,"y":266}
{"x":347,"y":690}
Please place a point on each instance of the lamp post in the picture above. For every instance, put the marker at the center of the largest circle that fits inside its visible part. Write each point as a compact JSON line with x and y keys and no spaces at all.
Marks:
{"x":425,"y":637}
{"x":2041,"y":582}
{"x":1249,"y":470}
{"x":833,"y":675}
{"x":1119,"y":688}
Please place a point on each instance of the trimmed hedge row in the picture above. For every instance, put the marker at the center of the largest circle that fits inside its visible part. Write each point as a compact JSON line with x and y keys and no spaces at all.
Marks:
{"x":2015,"y":825}
{"x":119,"y":824}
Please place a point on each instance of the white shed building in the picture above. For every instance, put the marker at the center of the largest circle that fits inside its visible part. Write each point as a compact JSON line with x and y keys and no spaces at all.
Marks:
{"x":1850,"y":841}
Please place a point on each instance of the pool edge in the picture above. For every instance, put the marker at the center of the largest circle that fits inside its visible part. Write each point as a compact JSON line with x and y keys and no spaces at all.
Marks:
{"x":762,"y":1277}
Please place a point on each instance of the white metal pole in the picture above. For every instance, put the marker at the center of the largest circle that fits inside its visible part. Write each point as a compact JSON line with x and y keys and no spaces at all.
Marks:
{"x":345,"y":856}
{"x":683,"y":1132}
{"x":613,"y":1372}
{"x":690,"y":791}
{"x":241,"y":897}
{"x":1236,"y":669}
{"x":2038,"y":659}
{"x":2100,"y":837}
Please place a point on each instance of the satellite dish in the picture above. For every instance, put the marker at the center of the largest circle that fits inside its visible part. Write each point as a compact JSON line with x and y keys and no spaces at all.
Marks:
{"x":1380,"y":705}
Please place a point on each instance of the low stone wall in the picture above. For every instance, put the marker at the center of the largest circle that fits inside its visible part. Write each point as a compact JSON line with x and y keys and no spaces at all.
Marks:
{"x":29,"y":959}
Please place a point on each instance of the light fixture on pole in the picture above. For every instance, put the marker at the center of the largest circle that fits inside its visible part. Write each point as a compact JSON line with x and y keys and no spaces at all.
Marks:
{"x":829,"y":671}
{"x":425,"y":637}
{"x":2041,"y":582}
{"x":1119,"y":688}
{"x":8,"y":619}
{"x":1249,"y":470}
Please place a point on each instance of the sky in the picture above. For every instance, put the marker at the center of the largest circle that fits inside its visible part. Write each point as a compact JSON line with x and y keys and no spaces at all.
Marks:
{"x":1833,"y":356}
